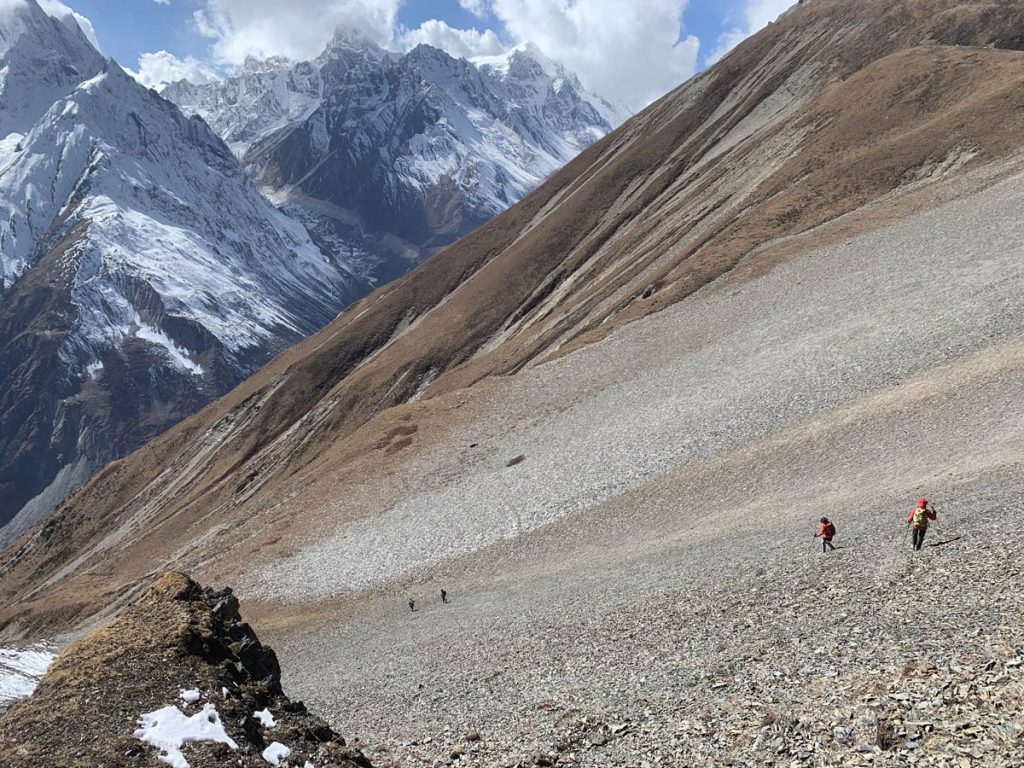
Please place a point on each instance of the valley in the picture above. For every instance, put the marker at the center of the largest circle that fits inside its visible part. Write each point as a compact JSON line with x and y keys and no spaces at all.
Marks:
{"x":606,"y":422}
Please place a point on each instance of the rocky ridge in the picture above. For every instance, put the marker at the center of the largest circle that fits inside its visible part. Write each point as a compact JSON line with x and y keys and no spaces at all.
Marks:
{"x":180,"y":648}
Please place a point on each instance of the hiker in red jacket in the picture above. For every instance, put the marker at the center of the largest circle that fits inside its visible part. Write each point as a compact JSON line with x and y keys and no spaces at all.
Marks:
{"x":919,"y":520}
{"x":825,"y":533}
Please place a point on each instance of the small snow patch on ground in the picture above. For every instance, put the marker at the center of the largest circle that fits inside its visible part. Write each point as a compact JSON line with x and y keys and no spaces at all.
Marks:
{"x":21,"y":670}
{"x":190,"y":696}
{"x":169,"y":729}
{"x":265,"y":718}
{"x":275,"y":753}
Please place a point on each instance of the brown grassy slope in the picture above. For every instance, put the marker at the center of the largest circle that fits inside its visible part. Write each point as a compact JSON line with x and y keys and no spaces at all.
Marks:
{"x":836,"y":105}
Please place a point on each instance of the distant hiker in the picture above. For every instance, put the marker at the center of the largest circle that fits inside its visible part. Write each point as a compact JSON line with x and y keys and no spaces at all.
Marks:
{"x":412,"y":604}
{"x":826,"y":532}
{"x":918,"y":520}
{"x":444,"y":596}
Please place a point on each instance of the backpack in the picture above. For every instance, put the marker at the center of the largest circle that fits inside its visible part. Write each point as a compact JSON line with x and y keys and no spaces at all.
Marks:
{"x":921,"y":517}
{"x":830,"y":530}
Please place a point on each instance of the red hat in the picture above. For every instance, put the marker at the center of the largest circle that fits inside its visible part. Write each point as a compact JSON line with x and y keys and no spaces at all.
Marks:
{"x":922,"y":502}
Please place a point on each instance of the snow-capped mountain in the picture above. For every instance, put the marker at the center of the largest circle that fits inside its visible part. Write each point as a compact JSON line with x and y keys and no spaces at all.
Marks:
{"x":395,"y":155}
{"x":262,"y":97}
{"x":143,"y":274}
{"x":142,"y":270}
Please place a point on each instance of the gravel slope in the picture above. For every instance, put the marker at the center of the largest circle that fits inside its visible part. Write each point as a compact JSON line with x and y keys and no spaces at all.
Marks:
{"x":699,"y":381}
{"x":642,"y":588}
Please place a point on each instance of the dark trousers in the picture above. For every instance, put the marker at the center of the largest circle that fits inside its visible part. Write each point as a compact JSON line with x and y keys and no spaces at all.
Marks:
{"x":918,"y":537}
{"x":826,"y":543}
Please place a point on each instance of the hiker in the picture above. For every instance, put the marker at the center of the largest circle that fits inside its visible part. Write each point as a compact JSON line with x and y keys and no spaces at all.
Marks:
{"x":412,"y":604}
{"x":444,"y":596}
{"x":825,"y":533}
{"x":919,"y":520}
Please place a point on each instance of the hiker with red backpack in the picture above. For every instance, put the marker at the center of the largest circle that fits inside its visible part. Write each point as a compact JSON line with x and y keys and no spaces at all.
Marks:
{"x":826,"y":532}
{"x":918,"y":519}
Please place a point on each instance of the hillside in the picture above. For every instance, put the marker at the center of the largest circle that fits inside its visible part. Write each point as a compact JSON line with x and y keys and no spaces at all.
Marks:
{"x":820,"y":115}
{"x":607,"y":422}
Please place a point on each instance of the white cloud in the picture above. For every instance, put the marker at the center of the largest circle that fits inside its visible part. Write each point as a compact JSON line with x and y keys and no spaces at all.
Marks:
{"x":756,"y":16}
{"x":458,"y":42}
{"x":477,"y":7}
{"x":628,"y":52}
{"x":159,"y":68}
{"x":162,"y":2}
{"x":298,"y":29}
{"x":60,"y":11}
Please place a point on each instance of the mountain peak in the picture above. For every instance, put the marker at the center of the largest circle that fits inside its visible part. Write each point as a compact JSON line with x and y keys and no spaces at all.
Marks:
{"x":526,"y":62}
{"x":44,"y":58}
{"x":257,"y":64}
{"x":521,"y":52}
{"x":352,"y":39}
{"x":28,"y":18}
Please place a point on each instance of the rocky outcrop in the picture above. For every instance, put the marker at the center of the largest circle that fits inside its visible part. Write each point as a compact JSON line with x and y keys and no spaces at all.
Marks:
{"x":181,"y":659}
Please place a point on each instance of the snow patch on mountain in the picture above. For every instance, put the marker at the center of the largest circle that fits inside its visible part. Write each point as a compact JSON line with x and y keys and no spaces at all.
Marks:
{"x":177,"y":356}
{"x":21,"y":670}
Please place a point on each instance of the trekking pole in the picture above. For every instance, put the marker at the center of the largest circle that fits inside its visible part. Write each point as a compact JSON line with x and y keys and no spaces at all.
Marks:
{"x":905,"y":532}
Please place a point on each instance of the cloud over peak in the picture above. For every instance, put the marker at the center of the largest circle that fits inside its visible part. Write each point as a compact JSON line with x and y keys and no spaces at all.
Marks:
{"x":630,"y":53}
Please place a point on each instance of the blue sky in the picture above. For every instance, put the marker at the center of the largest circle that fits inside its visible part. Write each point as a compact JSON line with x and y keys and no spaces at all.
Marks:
{"x":630,"y":52}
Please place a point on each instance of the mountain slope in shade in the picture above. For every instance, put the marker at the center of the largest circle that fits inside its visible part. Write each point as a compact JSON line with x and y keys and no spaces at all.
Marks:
{"x":838,"y":116}
{"x":394,"y":155}
{"x":143,"y":273}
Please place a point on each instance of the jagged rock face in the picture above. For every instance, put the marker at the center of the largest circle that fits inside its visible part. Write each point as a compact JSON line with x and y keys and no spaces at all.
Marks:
{"x":178,"y":638}
{"x":142,"y":272}
{"x":423,"y":147}
{"x":264,"y":96}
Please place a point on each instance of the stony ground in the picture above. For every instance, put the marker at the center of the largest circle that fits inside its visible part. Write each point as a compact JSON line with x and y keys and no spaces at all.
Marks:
{"x":643,"y":588}
{"x":735,"y":365}
{"x":753,"y":650}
